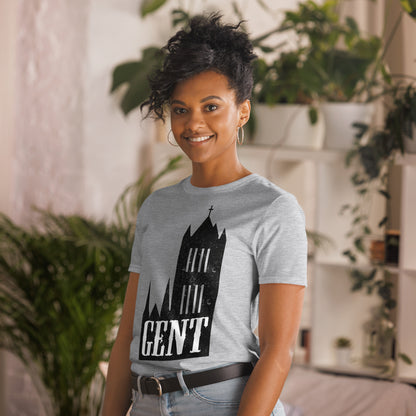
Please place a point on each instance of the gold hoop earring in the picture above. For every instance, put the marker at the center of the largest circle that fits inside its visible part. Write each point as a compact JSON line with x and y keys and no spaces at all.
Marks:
{"x":240,"y":138}
{"x":172,"y":144}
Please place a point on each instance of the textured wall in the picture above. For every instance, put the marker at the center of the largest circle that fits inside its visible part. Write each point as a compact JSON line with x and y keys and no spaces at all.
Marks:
{"x":51,"y":65}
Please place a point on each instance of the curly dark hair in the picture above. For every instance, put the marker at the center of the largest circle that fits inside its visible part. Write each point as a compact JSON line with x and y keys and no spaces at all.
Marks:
{"x":205,"y":44}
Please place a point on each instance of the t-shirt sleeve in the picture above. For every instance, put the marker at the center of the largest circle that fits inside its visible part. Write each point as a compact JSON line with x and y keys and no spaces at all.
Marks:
{"x":135,"y":259}
{"x":280,"y":243}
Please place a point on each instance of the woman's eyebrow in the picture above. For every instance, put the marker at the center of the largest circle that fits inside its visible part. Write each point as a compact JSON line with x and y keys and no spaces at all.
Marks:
{"x":177,"y":102}
{"x":210,"y":97}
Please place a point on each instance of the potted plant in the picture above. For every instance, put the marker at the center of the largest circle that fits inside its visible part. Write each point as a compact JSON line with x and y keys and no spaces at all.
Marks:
{"x":345,"y":65}
{"x":62,"y":284}
{"x":283,"y":102}
{"x":343,"y":351}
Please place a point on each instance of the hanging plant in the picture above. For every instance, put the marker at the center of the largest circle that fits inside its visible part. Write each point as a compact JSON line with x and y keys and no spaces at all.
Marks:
{"x":374,"y":153}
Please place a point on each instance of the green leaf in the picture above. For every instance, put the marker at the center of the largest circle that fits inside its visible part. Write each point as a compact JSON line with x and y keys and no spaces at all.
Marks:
{"x":352,"y":24}
{"x":384,"y":193}
{"x":180,"y":17}
{"x":362,"y":129}
{"x":313,"y":115}
{"x":366,"y":230}
{"x":358,"y":244}
{"x":409,"y":6}
{"x":405,"y":358}
{"x":150,"y":6}
{"x":344,"y":208}
{"x":124,"y":73}
{"x":386,"y":74}
{"x":266,"y":49}
{"x":135,"y":74}
{"x":383,"y":222}
{"x":349,"y":157}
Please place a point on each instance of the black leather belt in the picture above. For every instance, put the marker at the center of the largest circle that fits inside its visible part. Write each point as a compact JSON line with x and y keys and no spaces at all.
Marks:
{"x":159,"y":386}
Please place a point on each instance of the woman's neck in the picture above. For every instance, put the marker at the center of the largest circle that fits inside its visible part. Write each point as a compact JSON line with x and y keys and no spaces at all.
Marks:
{"x":206,"y":176}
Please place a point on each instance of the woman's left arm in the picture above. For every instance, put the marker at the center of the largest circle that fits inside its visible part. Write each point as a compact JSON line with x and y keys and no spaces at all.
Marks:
{"x":280,"y":307}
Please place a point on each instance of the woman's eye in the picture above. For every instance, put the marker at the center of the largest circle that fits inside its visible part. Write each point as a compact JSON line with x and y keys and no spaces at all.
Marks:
{"x":211,"y":107}
{"x":179,"y":110}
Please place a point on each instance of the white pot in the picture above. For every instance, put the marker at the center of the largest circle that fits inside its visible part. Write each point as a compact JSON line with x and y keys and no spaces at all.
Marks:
{"x":343,"y":356}
{"x":288,"y":125}
{"x":410,"y":144}
{"x":339,"y":118}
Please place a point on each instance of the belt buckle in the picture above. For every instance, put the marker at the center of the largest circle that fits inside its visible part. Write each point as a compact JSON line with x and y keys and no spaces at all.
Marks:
{"x":159,"y":386}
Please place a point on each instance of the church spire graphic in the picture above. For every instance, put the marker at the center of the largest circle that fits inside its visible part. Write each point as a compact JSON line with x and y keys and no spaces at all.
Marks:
{"x":182,"y":327}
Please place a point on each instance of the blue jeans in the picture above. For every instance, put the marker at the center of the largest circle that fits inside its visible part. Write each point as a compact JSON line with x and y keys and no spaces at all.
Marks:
{"x":219,"y":399}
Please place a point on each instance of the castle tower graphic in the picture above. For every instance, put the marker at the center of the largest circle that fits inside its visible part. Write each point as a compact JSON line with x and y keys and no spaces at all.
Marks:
{"x":182,"y":328}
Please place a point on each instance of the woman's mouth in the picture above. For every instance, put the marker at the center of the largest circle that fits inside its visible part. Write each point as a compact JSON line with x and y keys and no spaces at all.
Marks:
{"x":198,"y":139}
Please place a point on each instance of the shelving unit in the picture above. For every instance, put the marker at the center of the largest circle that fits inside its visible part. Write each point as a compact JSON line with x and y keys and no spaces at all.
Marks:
{"x":322,"y":185}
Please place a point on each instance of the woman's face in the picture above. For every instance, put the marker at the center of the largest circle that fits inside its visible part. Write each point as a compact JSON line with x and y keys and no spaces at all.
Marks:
{"x":205,"y":117}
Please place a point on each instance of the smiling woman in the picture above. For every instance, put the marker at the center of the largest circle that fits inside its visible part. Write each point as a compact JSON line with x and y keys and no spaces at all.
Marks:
{"x":218,"y":254}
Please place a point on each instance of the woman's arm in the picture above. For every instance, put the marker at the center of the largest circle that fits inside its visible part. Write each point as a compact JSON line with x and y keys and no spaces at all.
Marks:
{"x":280,"y":307}
{"x":118,"y":386}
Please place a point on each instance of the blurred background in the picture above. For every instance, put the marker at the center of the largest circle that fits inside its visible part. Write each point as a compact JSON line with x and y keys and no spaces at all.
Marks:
{"x":70,"y":147}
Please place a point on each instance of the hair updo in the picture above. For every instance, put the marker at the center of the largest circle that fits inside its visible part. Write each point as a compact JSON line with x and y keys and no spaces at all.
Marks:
{"x":206,"y":44}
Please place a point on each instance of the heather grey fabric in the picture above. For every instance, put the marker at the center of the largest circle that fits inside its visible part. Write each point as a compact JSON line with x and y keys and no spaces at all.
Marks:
{"x":201,"y":254}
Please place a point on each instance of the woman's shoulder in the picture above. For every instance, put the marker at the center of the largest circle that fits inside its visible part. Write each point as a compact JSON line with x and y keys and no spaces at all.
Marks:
{"x":262,"y":187}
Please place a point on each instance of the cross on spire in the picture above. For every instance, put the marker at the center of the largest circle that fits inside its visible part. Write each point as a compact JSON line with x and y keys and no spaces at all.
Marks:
{"x":210,"y":211}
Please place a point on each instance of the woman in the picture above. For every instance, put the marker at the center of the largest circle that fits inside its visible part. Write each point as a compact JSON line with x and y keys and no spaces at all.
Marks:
{"x":217,"y":253}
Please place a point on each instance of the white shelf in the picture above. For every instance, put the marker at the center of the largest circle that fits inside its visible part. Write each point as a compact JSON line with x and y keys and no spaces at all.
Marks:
{"x":295,"y":153}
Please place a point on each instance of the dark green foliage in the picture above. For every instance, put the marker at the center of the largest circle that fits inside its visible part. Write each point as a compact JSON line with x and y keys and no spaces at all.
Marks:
{"x":337,"y":58}
{"x":150,"y":6}
{"x":62,"y":284}
{"x":410,"y":7}
{"x":135,"y":75}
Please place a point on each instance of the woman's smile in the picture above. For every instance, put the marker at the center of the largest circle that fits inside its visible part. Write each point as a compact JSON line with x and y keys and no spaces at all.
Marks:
{"x":199,"y":139}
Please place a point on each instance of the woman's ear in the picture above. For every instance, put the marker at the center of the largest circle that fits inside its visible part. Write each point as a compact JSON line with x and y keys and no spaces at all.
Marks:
{"x":244,"y":112}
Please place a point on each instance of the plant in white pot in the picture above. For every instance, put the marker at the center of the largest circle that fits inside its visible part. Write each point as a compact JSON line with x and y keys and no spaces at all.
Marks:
{"x":345,"y":65}
{"x":283,"y":103}
{"x":343,"y":346}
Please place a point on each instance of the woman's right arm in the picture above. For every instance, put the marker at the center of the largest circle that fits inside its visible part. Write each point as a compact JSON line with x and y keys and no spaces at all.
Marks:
{"x":118,"y":386}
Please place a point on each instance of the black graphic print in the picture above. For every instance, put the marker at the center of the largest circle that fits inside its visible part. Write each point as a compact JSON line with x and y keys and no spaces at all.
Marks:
{"x":182,"y":328}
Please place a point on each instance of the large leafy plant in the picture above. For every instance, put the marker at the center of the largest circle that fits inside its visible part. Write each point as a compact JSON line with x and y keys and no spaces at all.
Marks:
{"x":62,"y":284}
{"x":339,"y":59}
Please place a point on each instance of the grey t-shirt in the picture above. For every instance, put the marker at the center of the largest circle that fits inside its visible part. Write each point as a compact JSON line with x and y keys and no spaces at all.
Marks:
{"x":201,"y":254}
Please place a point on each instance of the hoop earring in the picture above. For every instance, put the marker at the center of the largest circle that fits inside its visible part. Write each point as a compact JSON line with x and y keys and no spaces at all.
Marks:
{"x":168,"y":137}
{"x":240,"y":138}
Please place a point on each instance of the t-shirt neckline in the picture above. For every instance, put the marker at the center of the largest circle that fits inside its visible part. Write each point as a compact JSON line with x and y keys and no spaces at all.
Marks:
{"x":188,"y":187}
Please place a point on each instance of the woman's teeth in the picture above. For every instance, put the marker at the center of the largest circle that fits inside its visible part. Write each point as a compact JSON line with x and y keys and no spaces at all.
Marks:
{"x":199,"y":139}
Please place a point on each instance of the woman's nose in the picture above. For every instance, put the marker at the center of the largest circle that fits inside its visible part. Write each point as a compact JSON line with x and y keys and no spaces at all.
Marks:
{"x":194,"y":120}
